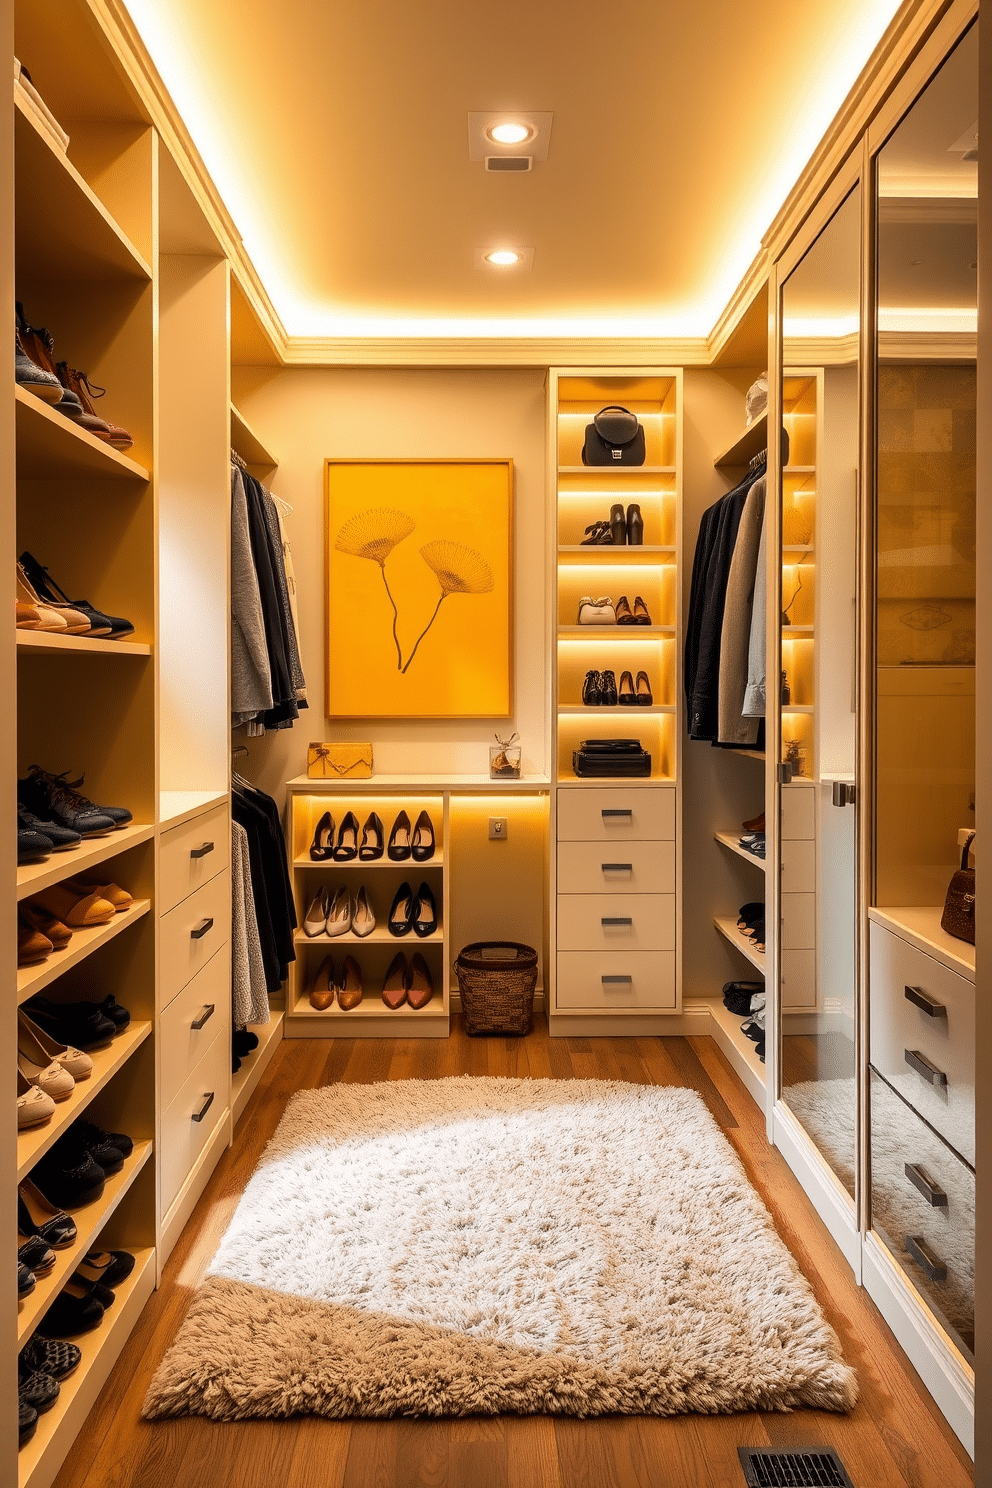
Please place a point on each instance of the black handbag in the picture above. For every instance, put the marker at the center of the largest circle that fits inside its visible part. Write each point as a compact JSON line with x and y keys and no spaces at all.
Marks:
{"x":614,"y":438}
{"x":958,"y":918}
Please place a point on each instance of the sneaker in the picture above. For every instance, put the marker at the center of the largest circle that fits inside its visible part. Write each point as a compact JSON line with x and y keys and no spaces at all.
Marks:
{"x":55,"y":798}
{"x":34,"y":379}
{"x":51,"y":1356}
{"x":61,"y":838}
{"x":31,"y":842}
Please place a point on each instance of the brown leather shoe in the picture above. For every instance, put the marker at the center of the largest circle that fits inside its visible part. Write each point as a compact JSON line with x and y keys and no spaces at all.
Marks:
{"x":88,"y":419}
{"x":32,"y":946}
{"x":350,"y":986}
{"x":756,"y":824}
{"x":39,"y":919}
{"x":394,"y":988}
{"x":322,"y":990}
{"x":421,"y":983}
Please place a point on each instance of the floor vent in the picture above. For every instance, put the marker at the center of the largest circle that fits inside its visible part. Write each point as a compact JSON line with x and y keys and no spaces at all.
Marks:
{"x":804,"y":1467}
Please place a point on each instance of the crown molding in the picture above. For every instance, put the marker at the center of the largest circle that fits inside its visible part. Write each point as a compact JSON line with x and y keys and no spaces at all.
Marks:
{"x":481,"y":352}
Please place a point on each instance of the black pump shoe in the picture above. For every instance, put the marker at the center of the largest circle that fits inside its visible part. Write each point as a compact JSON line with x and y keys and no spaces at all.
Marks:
{"x":592,"y":690}
{"x":608,"y":690}
{"x":373,"y":840}
{"x":424,"y":918}
{"x":645,"y":697}
{"x":401,"y":911}
{"x":423,"y":839}
{"x":627,"y":697}
{"x":347,"y":847}
{"x":399,"y":839}
{"x":322,"y":846}
{"x":618,"y":525}
{"x":635,"y":526}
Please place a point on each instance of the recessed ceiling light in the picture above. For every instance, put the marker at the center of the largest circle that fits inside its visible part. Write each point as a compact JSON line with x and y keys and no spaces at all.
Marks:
{"x":510,"y":133}
{"x":503,"y":257}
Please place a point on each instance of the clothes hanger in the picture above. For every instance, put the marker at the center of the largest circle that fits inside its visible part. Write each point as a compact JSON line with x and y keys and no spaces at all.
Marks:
{"x":238,"y":460}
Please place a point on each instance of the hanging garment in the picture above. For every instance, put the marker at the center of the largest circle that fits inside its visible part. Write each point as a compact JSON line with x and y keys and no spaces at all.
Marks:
{"x":251,"y":681}
{"x":287,"y":563}
{"x":735,"y":639}
{"x":249,"y":994}
{"x":754,"y":696}
{"x":272,"y":522}
{"x":267,"y":557}
{"x":275,"y":911}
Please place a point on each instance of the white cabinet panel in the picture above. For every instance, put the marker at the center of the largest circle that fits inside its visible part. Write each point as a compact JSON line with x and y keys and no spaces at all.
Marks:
{"x":616,"y":922}
{"x":191,"y":854}
{"x":616,"y":813}
{"x":603,"y":980}
{"x":192,"y":932}
{"x":642,"y":868}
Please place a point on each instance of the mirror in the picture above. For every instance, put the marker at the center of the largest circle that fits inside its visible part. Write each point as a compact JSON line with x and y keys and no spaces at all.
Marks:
{"x":820,"y":413}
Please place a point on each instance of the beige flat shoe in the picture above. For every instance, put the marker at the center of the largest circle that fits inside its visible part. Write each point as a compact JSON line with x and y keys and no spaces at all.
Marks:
{"x":350,"y":987}
{"x":46,"y":924}
{"x":77,"y":911}
{"x":322,"y":990}
{"x":34,"y":1107}
{"x":113,"y":893}
{"x":51,"y":1077}
{"x":32,"y":946}
{"x":36,"y":1044}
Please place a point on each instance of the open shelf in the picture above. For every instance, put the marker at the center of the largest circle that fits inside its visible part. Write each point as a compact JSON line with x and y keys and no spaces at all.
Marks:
{"x":248,"y":445}
{"x":32,"y":979}
{"x":745,"y":446}
{"x":736,"y":1048}
{"x":35,"y":1142}
{"x":89,"y":1221}
{"x":607,"y":782}
{"x":625,"y":632}
{"x":380,"y":936}
{"x":175,"y":807}
{"x":612,"y":471}
{"x":798,"y":708}
{"x":582,"y":710}
{"x":244,"y":1081}
{"x":409,"y":866}
{"x":604,"y":551}
{"x":48,"y":640}
{"x":371,"y":1006}
{"x":728,"y":929}
{"x":416,"y":785}
{"x":62,"y":226}
{"x":34,"y":876}
{"x":732,"y":844}
{"x":52,"y":447}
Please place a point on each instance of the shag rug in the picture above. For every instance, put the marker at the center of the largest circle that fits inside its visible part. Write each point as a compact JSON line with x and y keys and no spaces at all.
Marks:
{"x":489,"y":1246}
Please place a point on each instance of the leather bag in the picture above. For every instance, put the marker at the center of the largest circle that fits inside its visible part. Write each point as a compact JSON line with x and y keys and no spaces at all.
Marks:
{"x":958,"y":918}
{"x":615,"y":437}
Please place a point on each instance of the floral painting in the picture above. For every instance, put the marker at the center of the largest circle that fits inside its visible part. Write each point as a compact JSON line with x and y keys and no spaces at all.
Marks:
{"x":418,"y":598}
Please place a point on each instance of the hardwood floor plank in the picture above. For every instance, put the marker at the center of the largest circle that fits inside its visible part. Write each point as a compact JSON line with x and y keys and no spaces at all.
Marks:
{"x":532,"y":1453}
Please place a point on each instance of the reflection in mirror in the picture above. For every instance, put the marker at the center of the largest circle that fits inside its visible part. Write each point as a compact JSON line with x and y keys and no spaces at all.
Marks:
{"x":820,"y":410}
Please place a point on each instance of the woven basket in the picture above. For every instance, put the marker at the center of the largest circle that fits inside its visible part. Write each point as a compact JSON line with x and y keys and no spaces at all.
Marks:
{"x":496,"y":980}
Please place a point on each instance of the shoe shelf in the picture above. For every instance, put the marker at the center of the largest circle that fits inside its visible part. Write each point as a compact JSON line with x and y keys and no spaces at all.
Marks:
{"x":415,"y":786}
{"x":599,"y":553}
{"x":45,"y":641}
{"x":379,"y":936}
{"x":50,"y":447}
{"x":725,"y":1029}
{"x":613,"y":710}
{"x":728,"y":929}
{"x":245,"y":1080}
{"x":371,"y":1006}
{"x":35,"y":1142}
{"x":409,"y":867}
{"x":90,"y":1220}
{"x":622,"y":632}
{"x":613,"y":471}
{"x":63,"y":228}
{"x":31,"y":979}
{"x":39,"y":1460}
{"x":34,"y":876}
{"x":732,"y":844}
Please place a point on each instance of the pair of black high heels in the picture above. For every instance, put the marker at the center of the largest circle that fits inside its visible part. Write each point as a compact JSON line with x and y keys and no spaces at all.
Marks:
{"x":416,"y":912}
{"x":403,"y":843}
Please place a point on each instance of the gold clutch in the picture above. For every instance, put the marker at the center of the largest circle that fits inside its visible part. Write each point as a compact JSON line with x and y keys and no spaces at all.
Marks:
{"x":339,"y":761}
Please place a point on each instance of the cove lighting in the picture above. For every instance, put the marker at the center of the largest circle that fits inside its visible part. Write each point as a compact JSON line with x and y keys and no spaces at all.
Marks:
{"x":503,"y":257}
{"x":510,"y":134}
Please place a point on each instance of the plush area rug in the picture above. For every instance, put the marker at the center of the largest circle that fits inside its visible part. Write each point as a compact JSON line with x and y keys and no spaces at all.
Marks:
{"x":488,"y":1246}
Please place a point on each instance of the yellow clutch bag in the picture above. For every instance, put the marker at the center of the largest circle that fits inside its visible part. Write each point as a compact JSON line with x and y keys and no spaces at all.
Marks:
{"x":339,"y":761}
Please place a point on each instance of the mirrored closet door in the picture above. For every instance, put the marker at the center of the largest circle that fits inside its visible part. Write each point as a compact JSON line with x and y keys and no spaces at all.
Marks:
{"x":817,"y":688}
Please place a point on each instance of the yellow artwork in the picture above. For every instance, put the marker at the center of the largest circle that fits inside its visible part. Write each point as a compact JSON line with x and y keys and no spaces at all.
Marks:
{"x":418,"y":596}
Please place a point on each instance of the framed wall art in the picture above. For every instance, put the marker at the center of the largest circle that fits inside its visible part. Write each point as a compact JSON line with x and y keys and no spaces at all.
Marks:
{"x":419,"y":588}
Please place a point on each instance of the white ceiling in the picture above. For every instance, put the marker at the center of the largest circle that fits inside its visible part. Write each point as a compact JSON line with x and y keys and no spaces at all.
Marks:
{"x":337,"y":135}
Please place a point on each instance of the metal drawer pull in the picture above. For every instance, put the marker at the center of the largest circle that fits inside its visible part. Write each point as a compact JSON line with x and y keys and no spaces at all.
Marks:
{"x":617,"y":981}
{"x":616,"y":811}
{"x":929,"y":1263}
{"x":206,"y":1013}
{"x":202,"y":850}
{"x":928,"y":1005}
{"x":921,"y":1064}
{"x":616,"y":920}
{"x":208,"y":1101}
{"x":617,"y":867}
{"x":200,"y":930}
{"x":932,"y":1192}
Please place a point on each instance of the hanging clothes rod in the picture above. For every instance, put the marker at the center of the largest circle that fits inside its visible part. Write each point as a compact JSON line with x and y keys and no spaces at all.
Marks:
{"x":238,"y":460}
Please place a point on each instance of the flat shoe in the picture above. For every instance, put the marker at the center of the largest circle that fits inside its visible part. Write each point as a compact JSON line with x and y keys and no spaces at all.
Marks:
{"x":51,"y":1078}
{"x":321,"y":994}
{"x":78,"y":911}
{"x":36,"y":1216}
{"x":350,"y":990}
{"x":394,"y":988}
{"x":420,"y":983}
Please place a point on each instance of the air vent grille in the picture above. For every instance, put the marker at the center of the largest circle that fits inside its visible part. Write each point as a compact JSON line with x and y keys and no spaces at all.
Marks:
{"x":803,"y":1467}
{"x":509,"y":162}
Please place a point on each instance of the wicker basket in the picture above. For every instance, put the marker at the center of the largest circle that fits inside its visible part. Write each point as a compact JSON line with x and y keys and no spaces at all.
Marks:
{"x":496,"y":980}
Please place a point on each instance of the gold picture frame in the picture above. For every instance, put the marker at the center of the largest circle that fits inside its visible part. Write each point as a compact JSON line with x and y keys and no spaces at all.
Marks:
{"x":418,"y":596}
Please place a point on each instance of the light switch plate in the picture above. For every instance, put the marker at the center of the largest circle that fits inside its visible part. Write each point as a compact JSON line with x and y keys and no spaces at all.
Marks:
{"x":497,"y":829}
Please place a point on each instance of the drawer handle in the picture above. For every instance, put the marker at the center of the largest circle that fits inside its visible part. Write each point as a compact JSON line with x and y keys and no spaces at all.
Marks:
{"x":928,"y":1005}
{"x":202,"y":850}
{"x":200,"y":930}
{"x":616,"y":920}
{"x":206,"y":1013}
{"x":617,"y":811}
{"x":617,"y":867}
{"x":921,"y":1064}
{"x":929,"y":1263}
{"x":208,"y":1101}
{"x":618,"y":981}
{"x":932,"y":1192}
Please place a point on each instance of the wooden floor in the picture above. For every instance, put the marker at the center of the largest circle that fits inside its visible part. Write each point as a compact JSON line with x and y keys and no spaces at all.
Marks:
{"x":894,"y":1439}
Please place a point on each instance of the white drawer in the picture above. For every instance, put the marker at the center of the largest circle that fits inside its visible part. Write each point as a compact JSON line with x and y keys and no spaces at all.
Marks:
{"x":627,"y":979}
{"x":616,"y":814}
{"x":798,"y":812}
{"x":798,"y":922}
{"x":183,"y":1136}
{"x":937,"y":1209}
{"x":798,"y":866}
{"x":191,"y":854}
{"x":616,"y":922}
{"x":947,"y":1041}
{"x":205,"y":1001}
{"x":798,"y":979}
{"x":192,"y":932}
{"x":642,"y":868}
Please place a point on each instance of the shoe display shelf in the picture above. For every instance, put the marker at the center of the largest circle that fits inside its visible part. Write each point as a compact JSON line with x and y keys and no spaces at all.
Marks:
{"x":613,"y":918}
{"x":308,"y":800}
{"x":244,"y":1081}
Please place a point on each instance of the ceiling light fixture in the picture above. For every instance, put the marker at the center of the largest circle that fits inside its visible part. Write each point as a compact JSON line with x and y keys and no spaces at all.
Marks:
{"x":502,"y":258}
{"x":510,"y":133}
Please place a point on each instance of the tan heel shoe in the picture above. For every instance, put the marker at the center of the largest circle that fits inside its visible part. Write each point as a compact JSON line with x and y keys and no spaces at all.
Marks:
{"x":394,"y":988}
{"x":421,"y":983}
{"x":362,"y":919}
{"x":350,"y":990}
{"x":322,"y":989}
{"x":36,"y":1044}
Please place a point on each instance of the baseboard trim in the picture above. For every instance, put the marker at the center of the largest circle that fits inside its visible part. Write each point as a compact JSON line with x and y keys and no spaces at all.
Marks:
{"x":826,"y":1193}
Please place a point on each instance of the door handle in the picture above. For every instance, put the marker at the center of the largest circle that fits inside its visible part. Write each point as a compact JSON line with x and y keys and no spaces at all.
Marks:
{"x":202,"y":850}
{"x":921,"y":1064}
{"x":616,"y":811}
{"x":842,"y":793}
{"x":932,"y":1192}
{"x":929,"y":1263}
{"x":617,"y":867}
{"x":617,"y":981}
{"x":206,"y":1013}
{"x":928,"y":1005}
{"x":208,"y":1101}
{"x":616,"y":920}
{"x":200,"y":930}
